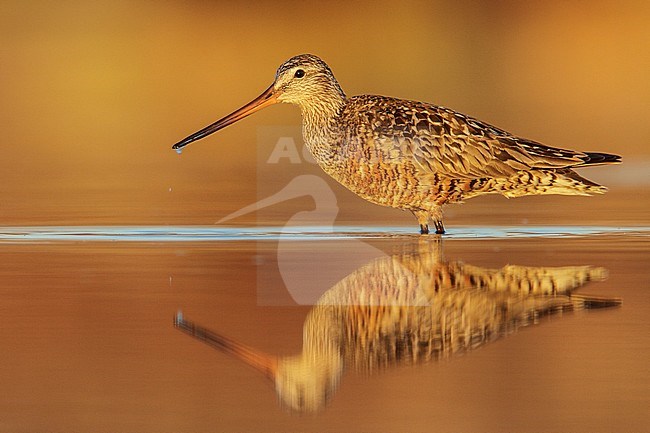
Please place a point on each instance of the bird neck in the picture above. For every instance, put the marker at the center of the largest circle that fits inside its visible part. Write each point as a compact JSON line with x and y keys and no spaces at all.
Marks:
{"x":320,"y":117}
{"x":322,"y":329}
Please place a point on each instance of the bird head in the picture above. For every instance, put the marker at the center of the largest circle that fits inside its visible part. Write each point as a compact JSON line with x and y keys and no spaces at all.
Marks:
{"x":304,"y":80}
{"x":305,"y":383}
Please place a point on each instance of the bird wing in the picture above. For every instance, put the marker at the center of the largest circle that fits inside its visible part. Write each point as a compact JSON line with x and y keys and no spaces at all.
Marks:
{"x":448,"y":143}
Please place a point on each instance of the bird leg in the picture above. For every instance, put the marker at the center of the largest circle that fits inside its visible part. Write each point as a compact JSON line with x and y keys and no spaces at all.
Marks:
{"x":436,"y":215}
{"x":424,"y":216}
{"x":423,"y":219}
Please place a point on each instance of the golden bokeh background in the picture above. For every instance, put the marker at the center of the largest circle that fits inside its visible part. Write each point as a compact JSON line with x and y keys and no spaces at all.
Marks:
{"x":95,"y":93}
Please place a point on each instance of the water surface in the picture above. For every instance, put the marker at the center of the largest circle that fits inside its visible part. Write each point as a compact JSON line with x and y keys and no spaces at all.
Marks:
{"x":89,"y":342}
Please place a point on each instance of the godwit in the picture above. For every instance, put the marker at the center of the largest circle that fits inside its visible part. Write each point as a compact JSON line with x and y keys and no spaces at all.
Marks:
{"x":413,"y":155}
{"x":407,"y":308}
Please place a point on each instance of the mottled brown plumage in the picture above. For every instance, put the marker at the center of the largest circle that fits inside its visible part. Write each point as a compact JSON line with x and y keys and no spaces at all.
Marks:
{"x":413,"y":155}
{"x":408,"y":308}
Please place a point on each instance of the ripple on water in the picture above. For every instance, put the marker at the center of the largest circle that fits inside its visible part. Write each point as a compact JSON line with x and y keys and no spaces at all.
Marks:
{"x":203,"y":233}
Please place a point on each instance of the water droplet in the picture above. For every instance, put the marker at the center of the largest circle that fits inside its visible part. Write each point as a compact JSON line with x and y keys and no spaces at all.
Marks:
{"x":179,"y":150}
{"x":170,"y":189}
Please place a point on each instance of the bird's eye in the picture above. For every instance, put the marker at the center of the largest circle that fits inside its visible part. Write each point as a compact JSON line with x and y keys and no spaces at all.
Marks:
{"x":299,"y":73}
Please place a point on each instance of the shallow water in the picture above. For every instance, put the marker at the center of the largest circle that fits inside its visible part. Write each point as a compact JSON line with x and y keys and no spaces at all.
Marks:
{"x":89,"y":342}
{"x":296,"y":233}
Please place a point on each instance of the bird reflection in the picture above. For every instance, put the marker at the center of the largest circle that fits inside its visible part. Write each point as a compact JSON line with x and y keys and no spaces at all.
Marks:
{"x":407,"y":308}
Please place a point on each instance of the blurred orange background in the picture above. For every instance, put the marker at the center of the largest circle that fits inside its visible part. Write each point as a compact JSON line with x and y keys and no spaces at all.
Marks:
{"x":95,"y":93}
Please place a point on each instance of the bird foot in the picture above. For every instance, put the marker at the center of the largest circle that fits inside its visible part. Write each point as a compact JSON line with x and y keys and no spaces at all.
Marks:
{"x":440,"y":229}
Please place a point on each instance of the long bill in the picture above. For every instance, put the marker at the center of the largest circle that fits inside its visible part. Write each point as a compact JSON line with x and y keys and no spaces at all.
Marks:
{"x":268,"y":97}
{"x":260,"y":361}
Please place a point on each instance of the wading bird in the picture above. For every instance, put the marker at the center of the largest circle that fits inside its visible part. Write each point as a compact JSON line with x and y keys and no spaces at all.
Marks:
{"x":408,"y":308}
{"x":413,"y":155}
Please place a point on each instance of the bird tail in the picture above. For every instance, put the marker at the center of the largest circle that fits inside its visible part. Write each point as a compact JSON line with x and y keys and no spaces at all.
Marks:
{"x":597,"y":158}
{"x":580,"y":301}
{"x":562,"y":181}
